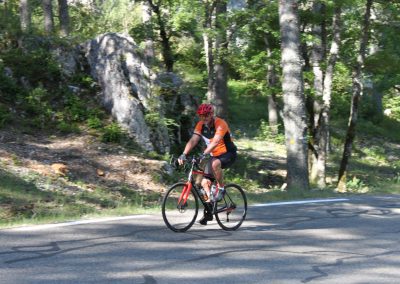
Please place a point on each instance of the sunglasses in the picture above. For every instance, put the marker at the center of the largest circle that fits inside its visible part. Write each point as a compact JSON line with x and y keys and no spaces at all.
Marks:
{"x":202,"y":116}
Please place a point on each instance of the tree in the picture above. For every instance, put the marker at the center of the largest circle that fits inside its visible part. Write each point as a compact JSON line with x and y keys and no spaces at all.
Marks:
{"x":272,"y":82}
{"x":323,"y":90}
{"x":209,"y":7}
{"x":294,"y":113}
{"x":25,"y":15}
{"x":64,"y":17}
{"x":164,"y":36}
{"x":356,"y":93}
{"x":149,"y":43}
{"x":216,"y":41}
{"x":48,"y":16}
{"x":220,"y":93}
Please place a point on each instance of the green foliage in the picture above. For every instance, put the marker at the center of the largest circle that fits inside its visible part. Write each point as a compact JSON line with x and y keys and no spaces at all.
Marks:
{"x":341,"y":92}
{"x":154,"y":120}
{"x":37,"y":100}
{"x":75,"y":108}
{"x":189,"y":53}
{"x":356,"y":185}
{"x":36,"y":66}
{"x":392,"y":102}
{"x":387,"y":128}
{"x":112,"y":133}
{"x":94,"y":123}
{"x":265,"y":133}
{"x":8,"y":87}
{"x":5,"y":115}
{"x":109,"y":16}
{"x":68,"y":127}
{"x":36,"y":106}
{"x":9,"y":23}
{"x":247,"y":108}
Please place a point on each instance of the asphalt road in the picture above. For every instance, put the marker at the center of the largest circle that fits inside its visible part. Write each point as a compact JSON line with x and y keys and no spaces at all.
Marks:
{"x":348,"y":241}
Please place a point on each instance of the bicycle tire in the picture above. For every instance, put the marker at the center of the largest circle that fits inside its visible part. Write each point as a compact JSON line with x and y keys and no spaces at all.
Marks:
{"x":179,"y":217}
{"x":232,"y":209}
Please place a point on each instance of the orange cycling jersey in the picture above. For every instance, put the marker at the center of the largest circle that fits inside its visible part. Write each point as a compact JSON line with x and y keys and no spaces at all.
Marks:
{"x":219,"y":127}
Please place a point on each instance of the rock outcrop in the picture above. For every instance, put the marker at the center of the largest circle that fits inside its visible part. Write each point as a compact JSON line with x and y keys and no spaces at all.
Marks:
{"x":129,"y":88}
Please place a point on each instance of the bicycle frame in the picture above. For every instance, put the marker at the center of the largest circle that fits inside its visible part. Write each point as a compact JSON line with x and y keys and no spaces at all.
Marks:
{"x":189,"y":186}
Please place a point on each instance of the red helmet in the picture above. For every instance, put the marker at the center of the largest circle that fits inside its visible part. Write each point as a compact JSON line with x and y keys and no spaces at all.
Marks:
{"x":205,"y":109}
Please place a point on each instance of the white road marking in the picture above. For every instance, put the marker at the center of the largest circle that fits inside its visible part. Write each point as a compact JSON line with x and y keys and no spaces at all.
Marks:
{"x":300,"y":202}
{"x":79,"y":222}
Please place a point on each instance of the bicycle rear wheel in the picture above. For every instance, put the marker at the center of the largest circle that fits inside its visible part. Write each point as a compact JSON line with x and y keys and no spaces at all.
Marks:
{"x":179,"y":216}
{"x":232,"y":209}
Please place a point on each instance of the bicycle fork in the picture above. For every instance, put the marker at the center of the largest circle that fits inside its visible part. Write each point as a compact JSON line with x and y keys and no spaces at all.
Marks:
{"x":182,"y":201}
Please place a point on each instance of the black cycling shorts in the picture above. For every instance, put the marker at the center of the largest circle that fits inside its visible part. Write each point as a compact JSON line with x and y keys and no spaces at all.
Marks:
{"x":227,"y":159}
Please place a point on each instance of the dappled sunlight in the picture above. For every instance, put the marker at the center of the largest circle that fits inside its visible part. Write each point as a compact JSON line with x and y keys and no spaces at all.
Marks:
{"x":85,"y":159}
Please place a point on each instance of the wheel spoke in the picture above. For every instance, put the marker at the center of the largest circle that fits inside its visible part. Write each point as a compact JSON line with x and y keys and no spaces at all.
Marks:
{"x":179,"y":216}
{"x":232,"y":210}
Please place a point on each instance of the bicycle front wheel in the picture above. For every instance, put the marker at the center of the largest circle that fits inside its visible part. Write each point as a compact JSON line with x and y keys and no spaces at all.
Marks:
{"x":232,"y":209}
{"x":179,"y":216}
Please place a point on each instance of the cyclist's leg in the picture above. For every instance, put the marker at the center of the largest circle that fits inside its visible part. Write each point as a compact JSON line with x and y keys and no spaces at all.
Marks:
{"x":208,"y":212}
{"x":217,"y":170}
{"x":227,"y":159}
{"x":206,"y":182}
{"x":222,"y":162}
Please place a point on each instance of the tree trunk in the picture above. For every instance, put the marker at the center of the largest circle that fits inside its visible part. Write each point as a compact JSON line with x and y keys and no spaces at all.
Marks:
{"x":357,"y":90}
{"x":165,"y":43}
{"x":48,"y":16}
{"x":149,"y":44}
{"x":210,"y":66}
{"x":294,"y":102}
{"x":377,"y":101}
{"x":64,"y":17}
{"x":321,"y":128}
{"x":317,"y":55}
{"x":220,"y":99}
{"x":208,"y":48}
{"x":272,"y":81}
{"x":333,"y":55}
{"x":25,"y":15}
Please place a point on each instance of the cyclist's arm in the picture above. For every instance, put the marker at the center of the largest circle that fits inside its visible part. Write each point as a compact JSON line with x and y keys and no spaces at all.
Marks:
{"x":213,"y":144}
{"x":191,"y":143}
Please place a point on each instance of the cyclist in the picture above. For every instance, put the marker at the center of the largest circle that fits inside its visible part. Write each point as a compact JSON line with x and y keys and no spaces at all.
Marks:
{"x":219,"y":145}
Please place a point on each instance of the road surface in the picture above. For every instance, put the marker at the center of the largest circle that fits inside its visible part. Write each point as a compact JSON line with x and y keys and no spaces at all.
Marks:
{"x":354,"y":240}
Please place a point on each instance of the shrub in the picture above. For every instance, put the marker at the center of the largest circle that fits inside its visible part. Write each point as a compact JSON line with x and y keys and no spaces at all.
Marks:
{"x":112,"y":133}
{"x":5,"y":115}
{"x":94,"y":122}
{"x":265,"y":132}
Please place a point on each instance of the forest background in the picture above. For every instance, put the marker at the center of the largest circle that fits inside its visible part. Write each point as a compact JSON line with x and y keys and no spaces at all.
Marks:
{"x":310,"y":89}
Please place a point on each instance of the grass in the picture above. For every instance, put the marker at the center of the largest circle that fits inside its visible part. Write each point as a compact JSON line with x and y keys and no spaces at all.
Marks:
{"x":246,"y":108}
{"x":23,"y":202}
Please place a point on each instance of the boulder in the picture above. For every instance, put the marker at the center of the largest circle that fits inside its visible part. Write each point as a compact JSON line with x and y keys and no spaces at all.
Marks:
{"x":129,"y":88}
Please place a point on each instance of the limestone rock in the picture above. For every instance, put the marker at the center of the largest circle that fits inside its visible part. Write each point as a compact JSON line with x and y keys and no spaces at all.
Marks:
{"x":127,"y":87}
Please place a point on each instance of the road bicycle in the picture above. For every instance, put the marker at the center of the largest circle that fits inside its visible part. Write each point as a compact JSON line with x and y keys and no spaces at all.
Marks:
{"x":180,"y":205}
